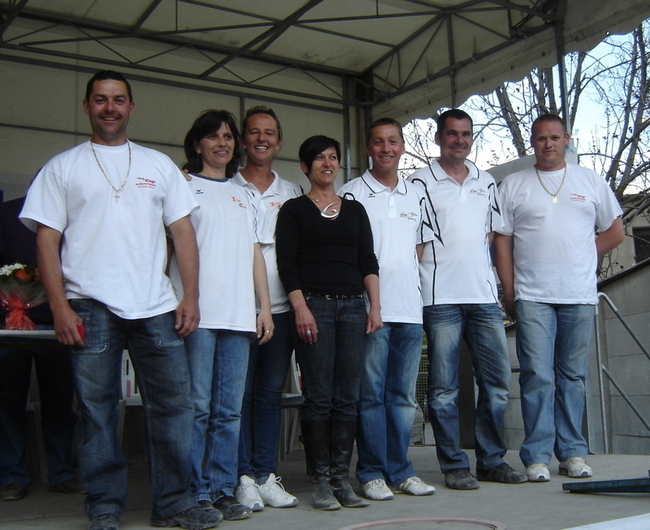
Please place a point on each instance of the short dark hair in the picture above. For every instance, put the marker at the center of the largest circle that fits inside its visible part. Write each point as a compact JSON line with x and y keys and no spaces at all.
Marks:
{"x":105,"y":75}
{"x":314,"y":146}
{"x":384,"y":121}
{"x":208,"y":122}
{"x":455,"y":114}
{"x":261,"y":109}
{"x":548,"y":116}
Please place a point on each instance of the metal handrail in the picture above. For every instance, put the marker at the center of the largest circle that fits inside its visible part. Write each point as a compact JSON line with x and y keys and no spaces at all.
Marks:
{"x":603,"y":370}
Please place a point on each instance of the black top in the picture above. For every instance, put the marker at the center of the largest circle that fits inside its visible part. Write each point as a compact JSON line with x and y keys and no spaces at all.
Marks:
{"x":18,"y":245}
{"x":324,"y":256}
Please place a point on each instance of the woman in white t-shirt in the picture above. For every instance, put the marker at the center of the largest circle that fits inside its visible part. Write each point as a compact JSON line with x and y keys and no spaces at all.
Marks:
{"x":231,"y":275}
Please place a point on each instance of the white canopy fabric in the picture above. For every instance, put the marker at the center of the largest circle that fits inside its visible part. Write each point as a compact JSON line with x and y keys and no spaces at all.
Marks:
{"x":399,"y":58}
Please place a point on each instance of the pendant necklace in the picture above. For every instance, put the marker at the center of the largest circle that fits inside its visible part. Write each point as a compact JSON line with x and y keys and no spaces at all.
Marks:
{"x":554,"y":195}
{"x":128,"y":171}
{"x":328,"y":212}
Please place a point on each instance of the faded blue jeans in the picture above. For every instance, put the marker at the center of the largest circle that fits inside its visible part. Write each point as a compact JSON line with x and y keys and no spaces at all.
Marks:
{"x":387,"y":403}
{"x":553,"y":343}
{"x":261,"y":413}
{"x":481,"y":326}
{"x":160,"y":364}
{"x":218,"y":360}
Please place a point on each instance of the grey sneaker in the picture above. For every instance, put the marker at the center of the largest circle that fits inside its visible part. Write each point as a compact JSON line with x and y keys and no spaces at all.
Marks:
{"x":575,"y":467}
{"x":231,"y":509}
{"x":538,"y":473}
{"x":106,"y":521}
{"x":460,"y":479}
{"x":12,"y":492}
{"x":502,"y":473}
{"x":194,"y":518}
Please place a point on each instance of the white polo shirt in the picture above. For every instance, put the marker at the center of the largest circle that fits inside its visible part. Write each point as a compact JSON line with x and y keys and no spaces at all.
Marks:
{"x":396,"y":221}
{"x":268,"y":205}
{"x":456,"y":267}
{"x":555,"y":254}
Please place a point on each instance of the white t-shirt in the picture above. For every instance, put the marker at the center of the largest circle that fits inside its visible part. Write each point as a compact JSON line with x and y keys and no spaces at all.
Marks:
{"x":396,"y":221}
{"x":268,"y":205}
{"x":225,"y":233}
{"x":456,"y":267}
{"x":113,"y":251}
{"x":555,"y":254}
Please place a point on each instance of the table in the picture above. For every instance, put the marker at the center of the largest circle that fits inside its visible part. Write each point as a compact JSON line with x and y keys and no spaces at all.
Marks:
{"x":20,"y":339}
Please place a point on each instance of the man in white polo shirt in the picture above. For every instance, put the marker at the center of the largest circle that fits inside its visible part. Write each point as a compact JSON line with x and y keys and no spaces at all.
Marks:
{"x":546,"y":255}
{"x":460,"y":302}
{"x":387,"y":405}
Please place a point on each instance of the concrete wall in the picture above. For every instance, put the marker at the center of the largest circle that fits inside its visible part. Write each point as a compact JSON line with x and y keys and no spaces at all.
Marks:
{"x":623,"y":358}
{"x":41,"y":115}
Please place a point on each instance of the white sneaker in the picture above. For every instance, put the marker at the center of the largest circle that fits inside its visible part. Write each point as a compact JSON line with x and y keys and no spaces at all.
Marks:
{"x":376,"y":490}
{"x":246,"y":493}
{"x":575,"y":467}
{"x":538,"y":473}
{"x":273,"y":493}
{"x":416,"y":486}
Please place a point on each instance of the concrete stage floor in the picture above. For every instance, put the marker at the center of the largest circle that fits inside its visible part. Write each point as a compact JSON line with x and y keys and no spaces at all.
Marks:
{"x":525,"y":506}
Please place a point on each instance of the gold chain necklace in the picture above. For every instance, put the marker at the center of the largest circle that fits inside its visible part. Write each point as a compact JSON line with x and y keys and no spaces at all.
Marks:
{"x":328,"y":212}
{"x":128,"y":171}
{"x":554,"y":195}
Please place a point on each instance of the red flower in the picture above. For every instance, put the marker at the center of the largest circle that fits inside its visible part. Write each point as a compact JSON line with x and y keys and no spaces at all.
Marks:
{"x":22,"y":274}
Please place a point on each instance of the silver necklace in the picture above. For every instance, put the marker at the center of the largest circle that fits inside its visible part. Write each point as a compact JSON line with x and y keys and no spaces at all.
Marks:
{"x":554,"y":195}
{"x":128,"y":171}
{"x":328,"y":212}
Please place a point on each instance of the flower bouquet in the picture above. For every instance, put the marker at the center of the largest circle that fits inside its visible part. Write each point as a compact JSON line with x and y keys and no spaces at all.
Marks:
{"x":20,"y":290}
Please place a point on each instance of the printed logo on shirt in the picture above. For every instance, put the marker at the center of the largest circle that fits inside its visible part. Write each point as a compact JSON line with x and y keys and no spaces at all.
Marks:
{"x":478,"y":191}
{"x":142,"y":182}
{"x":239,"y":203}
{"x":198,"y":192}
{"x":409,"y":216}
{"x":274,"y":204}
{"x":577,"y":198}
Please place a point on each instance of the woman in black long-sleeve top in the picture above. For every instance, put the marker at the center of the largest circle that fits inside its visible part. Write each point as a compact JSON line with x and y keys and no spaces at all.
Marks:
{"x":326,"y":263}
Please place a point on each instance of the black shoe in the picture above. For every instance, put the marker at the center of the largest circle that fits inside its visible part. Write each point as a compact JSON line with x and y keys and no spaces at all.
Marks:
{"x":72,"y":485}
{"x":106,"y":521}
{"x":231,"y":509}
{"x":12,"y":492}
{"x":460,"y":479}
{"x":194,"y":518}
{"x":502,"y":473}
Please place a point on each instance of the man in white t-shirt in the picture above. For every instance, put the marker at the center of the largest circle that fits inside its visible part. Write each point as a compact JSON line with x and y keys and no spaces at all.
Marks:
{"x":105,"y":204}
{"x":546,"y":255}
{"x":387,"y":403}
{"x":460,"y":303}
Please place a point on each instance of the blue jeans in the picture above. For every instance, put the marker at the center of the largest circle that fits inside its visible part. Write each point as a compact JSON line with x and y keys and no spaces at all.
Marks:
{"x":387,"y":404}
{"x":481,"y":326}
{"x":331,"y":367}
{"x":160,"y":364}
{"x":553,"y":345}
{"x":261,"y":412}
{"x":218,"y":360}
{"x":56,"y":389}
